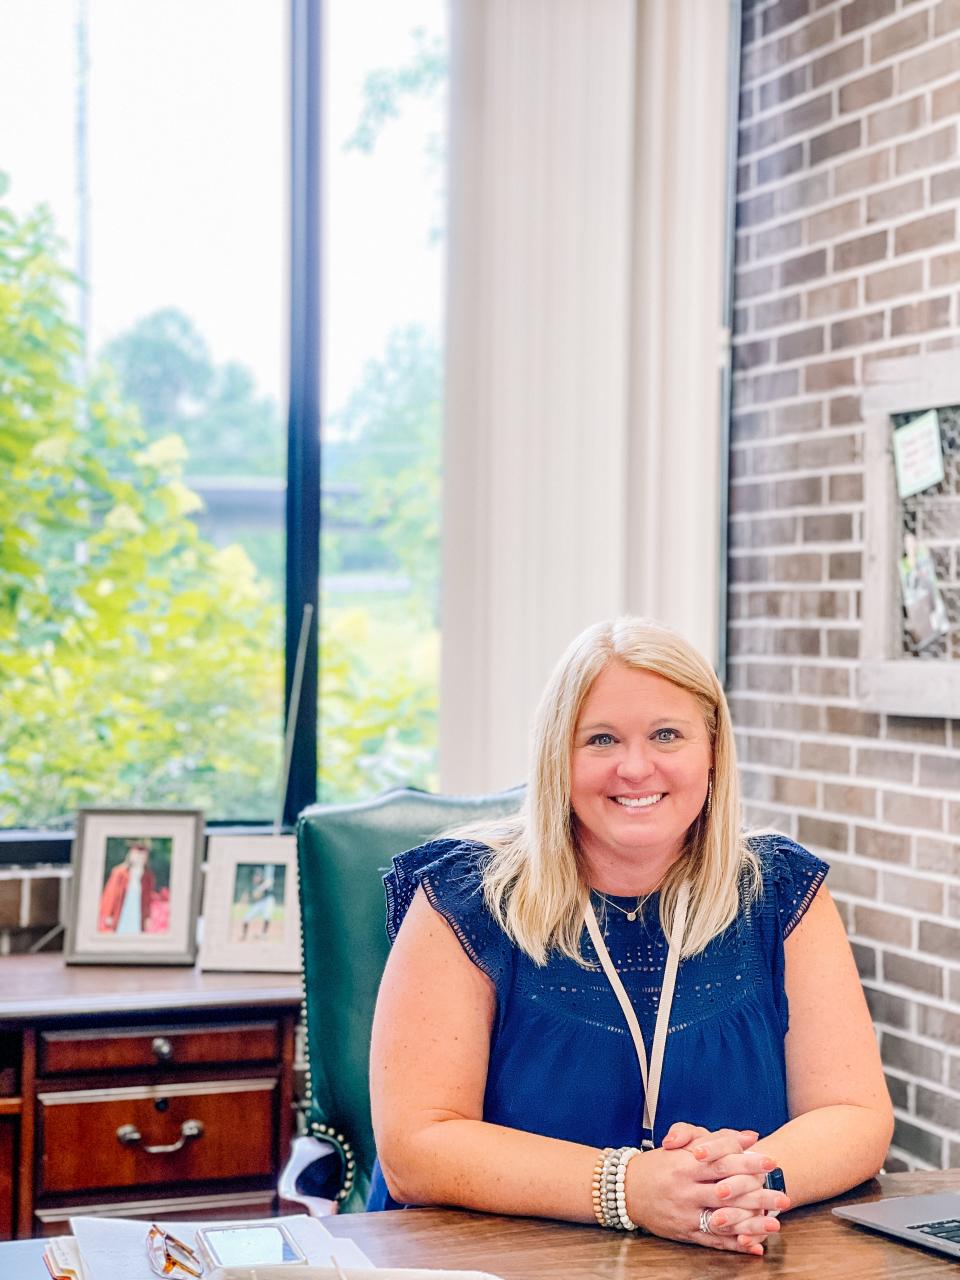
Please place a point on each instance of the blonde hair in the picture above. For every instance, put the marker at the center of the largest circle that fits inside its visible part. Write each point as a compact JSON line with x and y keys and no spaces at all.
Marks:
{"x":532,"y":879}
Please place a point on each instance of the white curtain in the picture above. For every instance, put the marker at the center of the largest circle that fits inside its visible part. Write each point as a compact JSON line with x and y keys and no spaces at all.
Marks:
{"x":581,"y":473}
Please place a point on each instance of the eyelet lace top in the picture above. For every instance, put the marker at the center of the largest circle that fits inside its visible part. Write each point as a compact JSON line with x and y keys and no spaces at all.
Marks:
{"x":561,"y":1059}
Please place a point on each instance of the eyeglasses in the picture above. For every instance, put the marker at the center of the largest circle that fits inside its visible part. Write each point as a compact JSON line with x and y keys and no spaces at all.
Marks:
{"x":169,"y":1256}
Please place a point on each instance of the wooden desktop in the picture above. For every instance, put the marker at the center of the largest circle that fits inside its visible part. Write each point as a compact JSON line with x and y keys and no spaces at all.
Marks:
{"x":813,"y":1244}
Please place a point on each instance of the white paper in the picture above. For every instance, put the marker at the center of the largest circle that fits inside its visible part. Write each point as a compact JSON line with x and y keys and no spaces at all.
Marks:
{"x":918,"y":454}
{"x":115,"y":1248}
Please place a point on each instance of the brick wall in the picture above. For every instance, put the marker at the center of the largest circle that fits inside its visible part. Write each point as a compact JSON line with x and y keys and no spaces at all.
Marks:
{"x":848,"y":181}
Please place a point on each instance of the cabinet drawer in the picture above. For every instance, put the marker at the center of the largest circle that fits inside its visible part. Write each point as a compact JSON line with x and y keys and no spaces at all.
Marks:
{"x":126,"y":1048}
{"x":233,"y":1121}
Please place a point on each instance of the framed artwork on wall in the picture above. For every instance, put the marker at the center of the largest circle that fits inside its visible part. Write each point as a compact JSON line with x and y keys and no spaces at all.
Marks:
{"x":135,"y":886}
{"x":251,"y":906}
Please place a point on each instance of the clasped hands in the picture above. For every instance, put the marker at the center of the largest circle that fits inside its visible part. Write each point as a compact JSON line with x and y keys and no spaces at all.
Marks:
{"x":696,"y":1170}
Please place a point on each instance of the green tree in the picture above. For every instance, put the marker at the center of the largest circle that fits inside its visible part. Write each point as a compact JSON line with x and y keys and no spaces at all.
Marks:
{"x":140,"y":664}
{"x":422,"y":75}
{"x":164,"y":367}
{"x":378,"y":699}
{"x":390,"y":434}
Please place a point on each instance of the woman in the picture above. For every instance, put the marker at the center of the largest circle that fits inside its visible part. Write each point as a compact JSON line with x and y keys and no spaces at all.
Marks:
{"x":504,"y":1075}
{"x":129,"y":892}
{"x":262,"y":905}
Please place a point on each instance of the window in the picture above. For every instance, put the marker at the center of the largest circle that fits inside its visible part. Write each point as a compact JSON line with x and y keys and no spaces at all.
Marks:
{"x":143,"y":414}
{"x":379,"y":611}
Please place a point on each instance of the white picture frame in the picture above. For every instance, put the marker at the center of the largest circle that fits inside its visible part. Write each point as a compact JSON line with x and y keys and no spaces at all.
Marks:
{"x":135,"y":886}
{"x":888,"y":680}
{"x":251,"y":905}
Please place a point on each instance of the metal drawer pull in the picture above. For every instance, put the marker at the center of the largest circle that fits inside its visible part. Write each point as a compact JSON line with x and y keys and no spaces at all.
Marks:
{"x":130,"y":1135}
{"x":162,"y":1048}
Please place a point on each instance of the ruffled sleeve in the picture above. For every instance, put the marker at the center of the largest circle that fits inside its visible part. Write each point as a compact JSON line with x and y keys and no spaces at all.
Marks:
{"x":791,"y":877}
{"x":449,"y":872}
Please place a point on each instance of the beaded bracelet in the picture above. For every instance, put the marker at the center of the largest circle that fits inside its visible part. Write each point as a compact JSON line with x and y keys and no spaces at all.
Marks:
{"x":609,"y":1188}
{"x":596,"y":1186}
{"x":626,"y":1155}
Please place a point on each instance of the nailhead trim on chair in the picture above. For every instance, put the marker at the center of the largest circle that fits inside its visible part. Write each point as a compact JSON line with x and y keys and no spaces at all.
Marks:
{"x":350,"y":1164}
{"x":324,"y":1130}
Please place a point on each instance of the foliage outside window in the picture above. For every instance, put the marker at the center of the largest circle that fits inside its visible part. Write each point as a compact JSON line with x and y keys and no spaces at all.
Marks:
{"x":133,"y":667}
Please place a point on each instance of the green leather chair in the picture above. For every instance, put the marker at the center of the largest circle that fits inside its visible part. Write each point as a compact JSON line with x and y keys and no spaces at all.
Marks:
{"x":343,"y":852}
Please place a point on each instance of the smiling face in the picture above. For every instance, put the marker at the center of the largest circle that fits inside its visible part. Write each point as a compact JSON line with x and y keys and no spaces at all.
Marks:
{"x":639,"y":772}
{"x":138,"y":855}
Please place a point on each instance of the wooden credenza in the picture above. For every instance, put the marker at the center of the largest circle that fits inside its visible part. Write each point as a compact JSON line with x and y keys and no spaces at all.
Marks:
{"x":141,"y":1092}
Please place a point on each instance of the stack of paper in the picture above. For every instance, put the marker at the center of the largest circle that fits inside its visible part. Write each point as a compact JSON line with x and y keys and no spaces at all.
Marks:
{"x":115,"y":1249}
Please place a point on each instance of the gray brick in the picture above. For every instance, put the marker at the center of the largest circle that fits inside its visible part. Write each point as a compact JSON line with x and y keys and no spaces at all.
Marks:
{"x":919,"y":1142}
{"x":912,"y":729}
{"x":865,"y":957}
{"x":825,"y":757}
{"x":907,"y":810}
{"x":894,"y":766}
{"x":914,"y":892}
{"x":817,"y":833}
{"x":883,"y":926}
{"x":851,"y":879}
{"x":940,"y":940}
{"x":938,"y":1024}
{"x":904,"y":971}
{"x":860,"y":13}
{"x":836,"y":141}
{"x":899,"y":36}
{"x":940,"y":772}
{"x":891,"y":1010}
{"x":937,"y":855}
{"x":910,"y":1056}
{"x":840,"y":61}
{"x":859,"y":802}
{"x":899,"y":1092}
{"x":939,"y":1107}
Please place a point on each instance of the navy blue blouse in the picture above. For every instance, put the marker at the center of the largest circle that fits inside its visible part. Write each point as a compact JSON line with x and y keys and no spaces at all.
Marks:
{"x":562,"y":1062}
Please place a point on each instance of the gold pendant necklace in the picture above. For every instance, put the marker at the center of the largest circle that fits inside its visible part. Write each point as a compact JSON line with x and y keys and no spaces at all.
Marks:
{"x":630,"y":913}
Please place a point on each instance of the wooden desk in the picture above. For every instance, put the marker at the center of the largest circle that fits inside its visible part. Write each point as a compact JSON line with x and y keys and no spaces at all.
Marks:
{"x":813,"y":1243}
{"x":88,"y":1053}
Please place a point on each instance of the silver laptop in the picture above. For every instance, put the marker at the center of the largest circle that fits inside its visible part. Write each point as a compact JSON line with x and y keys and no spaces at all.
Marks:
{"x":933,"y":1221}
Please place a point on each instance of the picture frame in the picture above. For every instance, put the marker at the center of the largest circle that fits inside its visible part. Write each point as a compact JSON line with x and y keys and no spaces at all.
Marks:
{"x":251,"y":905}
{"x":135,"y":886}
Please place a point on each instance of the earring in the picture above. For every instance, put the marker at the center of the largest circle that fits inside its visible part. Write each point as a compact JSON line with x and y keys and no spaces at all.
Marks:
{"x":709,"y":800}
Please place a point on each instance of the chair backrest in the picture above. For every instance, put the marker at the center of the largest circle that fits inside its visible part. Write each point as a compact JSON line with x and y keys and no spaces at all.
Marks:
{"x":343,"y":852}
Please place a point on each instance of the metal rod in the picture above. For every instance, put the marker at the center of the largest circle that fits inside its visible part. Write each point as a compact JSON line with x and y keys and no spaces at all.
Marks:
{"x":293,"y":713}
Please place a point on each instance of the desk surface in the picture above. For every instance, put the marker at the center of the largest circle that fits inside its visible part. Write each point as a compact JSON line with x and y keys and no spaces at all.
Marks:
{"x":813,"y":1243}
{"x":33,"y":987}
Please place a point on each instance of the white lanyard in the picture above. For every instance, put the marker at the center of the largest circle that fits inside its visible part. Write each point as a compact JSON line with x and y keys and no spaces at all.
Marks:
{"x":651,"y":1082}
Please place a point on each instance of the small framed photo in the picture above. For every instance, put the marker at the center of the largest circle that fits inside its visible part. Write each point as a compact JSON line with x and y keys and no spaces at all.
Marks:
{"x":251,"y":907}
{"x":135,"y":886}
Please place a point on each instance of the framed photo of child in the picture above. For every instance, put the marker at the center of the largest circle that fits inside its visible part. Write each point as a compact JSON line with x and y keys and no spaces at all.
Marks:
{"x":251,"y":908}
{"x":135,"y":886}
